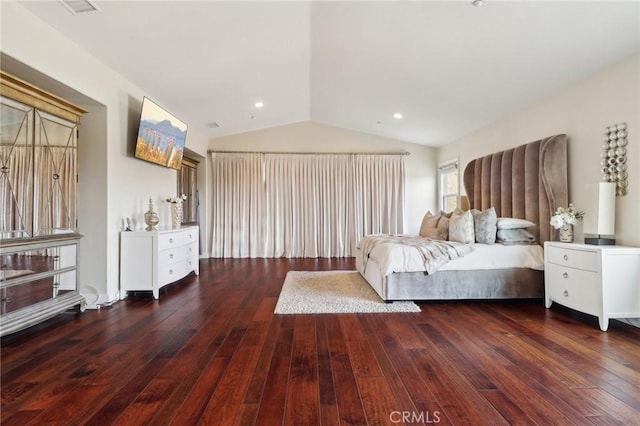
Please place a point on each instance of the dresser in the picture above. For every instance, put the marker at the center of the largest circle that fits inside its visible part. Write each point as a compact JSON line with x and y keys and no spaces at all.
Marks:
{"x":150,"y":260}
{"x":598,"y":280}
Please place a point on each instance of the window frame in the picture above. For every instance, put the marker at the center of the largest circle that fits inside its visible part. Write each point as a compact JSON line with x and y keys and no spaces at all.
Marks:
{"x":445,"y":169}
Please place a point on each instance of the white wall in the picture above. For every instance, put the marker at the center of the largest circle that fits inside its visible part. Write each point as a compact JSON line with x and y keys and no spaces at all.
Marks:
{"x":120,"y":185}
{"x":582,"y":111}
{"x":420,"y":166}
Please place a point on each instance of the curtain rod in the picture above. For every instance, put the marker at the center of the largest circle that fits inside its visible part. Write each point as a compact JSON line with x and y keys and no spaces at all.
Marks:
{"x":209,"y":151}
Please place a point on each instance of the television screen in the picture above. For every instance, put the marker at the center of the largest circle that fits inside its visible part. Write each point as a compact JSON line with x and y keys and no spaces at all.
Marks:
{"x":161,"y":136}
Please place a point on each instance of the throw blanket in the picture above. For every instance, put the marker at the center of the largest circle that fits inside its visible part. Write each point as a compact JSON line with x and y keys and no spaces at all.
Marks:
{"x":390,"y":252}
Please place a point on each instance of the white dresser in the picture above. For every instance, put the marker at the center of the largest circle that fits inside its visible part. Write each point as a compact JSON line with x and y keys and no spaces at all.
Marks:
{"x":598,"y":280}
{"x":150,"y":260}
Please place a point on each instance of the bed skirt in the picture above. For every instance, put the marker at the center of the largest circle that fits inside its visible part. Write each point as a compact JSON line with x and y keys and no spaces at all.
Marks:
{"x":513,"y":283}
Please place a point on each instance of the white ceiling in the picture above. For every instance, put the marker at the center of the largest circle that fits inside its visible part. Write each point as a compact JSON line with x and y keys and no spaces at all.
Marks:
{"x":447,"y":66}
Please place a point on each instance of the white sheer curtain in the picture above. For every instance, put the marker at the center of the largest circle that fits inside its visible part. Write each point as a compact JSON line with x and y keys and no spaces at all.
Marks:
{"x":238,"y":205}
{"x":301,"y":205}
{"x":308,"y":205}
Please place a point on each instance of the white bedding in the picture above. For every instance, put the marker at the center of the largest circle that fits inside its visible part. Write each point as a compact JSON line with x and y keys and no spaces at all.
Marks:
{"x":399,"y":258}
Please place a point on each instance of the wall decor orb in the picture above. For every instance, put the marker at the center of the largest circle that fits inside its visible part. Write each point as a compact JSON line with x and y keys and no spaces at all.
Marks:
{"x":614,"y":156}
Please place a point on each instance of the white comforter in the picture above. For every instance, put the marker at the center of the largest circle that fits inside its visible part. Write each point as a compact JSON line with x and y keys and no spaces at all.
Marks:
{"x":394,"y":257}
{"x":408,"y":251}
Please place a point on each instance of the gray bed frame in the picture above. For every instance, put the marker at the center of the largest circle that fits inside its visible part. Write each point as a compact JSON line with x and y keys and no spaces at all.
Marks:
{"x":527,"y":182}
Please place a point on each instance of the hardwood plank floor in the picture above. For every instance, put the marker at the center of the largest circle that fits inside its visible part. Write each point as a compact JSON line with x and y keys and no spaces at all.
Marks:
{"x":212,"y":352}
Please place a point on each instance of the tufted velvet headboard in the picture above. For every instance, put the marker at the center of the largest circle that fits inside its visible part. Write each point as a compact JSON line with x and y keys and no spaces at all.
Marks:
{"x":526,"y":182}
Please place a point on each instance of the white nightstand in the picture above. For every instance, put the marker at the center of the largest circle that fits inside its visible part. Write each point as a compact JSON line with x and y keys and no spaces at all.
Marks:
{"x":598,"y":280}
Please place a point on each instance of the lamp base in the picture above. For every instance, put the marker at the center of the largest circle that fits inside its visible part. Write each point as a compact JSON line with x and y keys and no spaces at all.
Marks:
{"x":600,"y":241}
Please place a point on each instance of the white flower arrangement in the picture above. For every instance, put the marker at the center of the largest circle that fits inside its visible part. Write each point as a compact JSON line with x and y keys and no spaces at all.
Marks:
{"x":176,"y":200}
{"x":568,"y":216}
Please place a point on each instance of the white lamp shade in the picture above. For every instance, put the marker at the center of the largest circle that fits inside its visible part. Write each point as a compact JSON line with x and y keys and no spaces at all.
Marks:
{"x":600,"y":209}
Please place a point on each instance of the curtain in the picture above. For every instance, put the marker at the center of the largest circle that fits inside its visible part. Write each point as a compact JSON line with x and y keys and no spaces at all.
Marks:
{"x":237,"y":205}
{"x":300,"y":205}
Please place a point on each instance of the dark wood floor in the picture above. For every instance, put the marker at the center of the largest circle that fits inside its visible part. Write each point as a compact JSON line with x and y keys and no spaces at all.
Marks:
{"x":211,"y":351}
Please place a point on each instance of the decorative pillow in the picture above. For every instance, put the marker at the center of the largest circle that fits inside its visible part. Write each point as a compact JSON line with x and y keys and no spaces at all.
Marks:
{"x":515,"y":237}
{"x":448,"y":215}
{"x":512,"y":223}
{"x":461,"y":228}
{"x":429,"y":222}
{"x":443,"y":227}
{"x":435,"y":233}
{"x":486,"y":225}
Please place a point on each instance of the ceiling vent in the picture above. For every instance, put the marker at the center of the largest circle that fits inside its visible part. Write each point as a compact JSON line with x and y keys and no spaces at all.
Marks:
{"x":80,"y":6}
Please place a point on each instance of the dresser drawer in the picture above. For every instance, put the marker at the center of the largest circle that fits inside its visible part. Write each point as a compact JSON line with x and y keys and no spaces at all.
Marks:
{"x":190,"y":236}
{"x":579,"y":259}
{"x":172,"y":272}
{"x":172,"y":255}
{"x":575,"y":288}
{"x":192,"y":251}
{"x":172,"y":239}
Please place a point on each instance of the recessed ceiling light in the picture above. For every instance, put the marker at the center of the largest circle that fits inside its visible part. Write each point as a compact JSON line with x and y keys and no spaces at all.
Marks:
{"x":259,"y":104}
{"x":477,"y":2}
{"x":397,"y":115}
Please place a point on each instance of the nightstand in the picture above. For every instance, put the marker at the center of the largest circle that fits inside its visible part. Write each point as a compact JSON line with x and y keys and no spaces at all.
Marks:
{"x":598,"y":280}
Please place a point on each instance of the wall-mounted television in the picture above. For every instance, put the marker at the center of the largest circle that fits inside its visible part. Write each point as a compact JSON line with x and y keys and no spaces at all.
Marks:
{"x":161,"y":136}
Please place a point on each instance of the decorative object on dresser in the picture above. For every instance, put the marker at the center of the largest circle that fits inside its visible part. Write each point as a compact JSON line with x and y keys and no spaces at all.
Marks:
{"x":598,"y":280}
{"x":614,"y":157}
{"x":151,"y":217}
{"x":176,"y":209}
{"x":601,"y":213}
{"x":564,"y":219}
{"x":150,"y":260}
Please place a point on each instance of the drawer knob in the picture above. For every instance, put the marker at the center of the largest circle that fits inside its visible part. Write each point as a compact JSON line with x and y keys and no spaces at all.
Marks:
{"x":565,"y":275}
{"x":565,"y":257}
{"x":565,"y":293}
{"x":170,"y":255}
{"x":170,"y":271}
{"x":170,"y":240}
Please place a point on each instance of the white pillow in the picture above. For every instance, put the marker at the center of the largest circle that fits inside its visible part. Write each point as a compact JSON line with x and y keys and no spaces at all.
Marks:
{"x":513,"y":223}
{"x":461,"y":228}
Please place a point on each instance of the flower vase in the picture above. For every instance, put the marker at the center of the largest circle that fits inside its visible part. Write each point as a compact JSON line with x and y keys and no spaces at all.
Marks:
{"x":566,"y":233}
{"x":176,"y":215}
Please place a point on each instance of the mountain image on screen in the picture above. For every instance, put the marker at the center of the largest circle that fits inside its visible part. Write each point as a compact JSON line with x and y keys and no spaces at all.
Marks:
{"x":160,"y":142}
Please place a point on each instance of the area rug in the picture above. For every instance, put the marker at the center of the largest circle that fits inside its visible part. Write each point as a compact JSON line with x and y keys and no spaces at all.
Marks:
{"x":327,"y":292}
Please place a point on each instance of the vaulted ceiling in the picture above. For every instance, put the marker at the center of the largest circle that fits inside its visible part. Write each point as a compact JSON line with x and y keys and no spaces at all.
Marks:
{"x":448,"y":67}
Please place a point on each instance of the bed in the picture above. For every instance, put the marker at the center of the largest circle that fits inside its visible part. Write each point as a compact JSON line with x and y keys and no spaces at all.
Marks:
{"x":527,"y":182}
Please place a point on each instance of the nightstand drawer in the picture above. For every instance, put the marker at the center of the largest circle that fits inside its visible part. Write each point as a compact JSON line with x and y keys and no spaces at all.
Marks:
{"x":579,"y":259}
{"x":574,"y":288}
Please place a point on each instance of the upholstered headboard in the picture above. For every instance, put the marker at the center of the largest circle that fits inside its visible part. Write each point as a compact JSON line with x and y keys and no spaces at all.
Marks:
{"x":526,"y":182}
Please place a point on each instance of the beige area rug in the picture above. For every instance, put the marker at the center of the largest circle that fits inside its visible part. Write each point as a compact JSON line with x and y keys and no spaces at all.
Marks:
{"x":328,"y":292}
{"x":7,"y":274}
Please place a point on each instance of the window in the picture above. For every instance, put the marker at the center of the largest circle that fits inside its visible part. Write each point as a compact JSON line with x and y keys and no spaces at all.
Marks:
{"x":449,"y":186}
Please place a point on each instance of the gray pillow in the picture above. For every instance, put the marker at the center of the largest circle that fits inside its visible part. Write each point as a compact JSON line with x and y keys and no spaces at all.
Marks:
{"x":461,"y":228}
{"x":515,"y":237}
{"x":486,"y":225}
